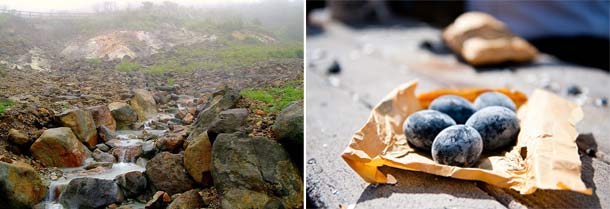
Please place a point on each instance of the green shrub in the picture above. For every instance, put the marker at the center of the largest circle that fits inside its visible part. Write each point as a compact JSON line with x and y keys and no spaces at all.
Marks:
{"x":4,"y":105}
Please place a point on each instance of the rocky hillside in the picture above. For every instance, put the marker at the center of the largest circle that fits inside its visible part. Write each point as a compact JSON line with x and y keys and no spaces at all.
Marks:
{"x":147,"y":110}
{"x":181,"y":153}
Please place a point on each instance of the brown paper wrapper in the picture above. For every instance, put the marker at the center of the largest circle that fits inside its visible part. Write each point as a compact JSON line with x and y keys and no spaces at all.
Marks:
{"x":481,"y":39}
{"x":544,"y":157}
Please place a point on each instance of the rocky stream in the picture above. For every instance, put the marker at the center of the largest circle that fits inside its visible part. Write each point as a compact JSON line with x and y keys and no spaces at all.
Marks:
{"x":186,"y":153}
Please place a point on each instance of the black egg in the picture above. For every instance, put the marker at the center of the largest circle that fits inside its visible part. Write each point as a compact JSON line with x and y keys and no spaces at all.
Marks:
{"x":458,"y":145}
{"x":456,"y":107}
{"x":497,"y":125}
{"x":421,"y":127}
{"x":493,"y":98}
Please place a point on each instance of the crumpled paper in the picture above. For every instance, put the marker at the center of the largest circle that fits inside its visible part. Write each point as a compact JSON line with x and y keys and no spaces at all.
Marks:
{"x":544,"y":157}
{"x":481,"y":39}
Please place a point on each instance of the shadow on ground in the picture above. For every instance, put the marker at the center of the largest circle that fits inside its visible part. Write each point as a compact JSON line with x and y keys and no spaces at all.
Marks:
{"x":422,"y":183}
{"x":562,"y":198}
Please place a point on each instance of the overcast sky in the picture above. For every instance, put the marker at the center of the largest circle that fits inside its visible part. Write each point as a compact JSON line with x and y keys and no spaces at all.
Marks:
{"x":87,"y":5}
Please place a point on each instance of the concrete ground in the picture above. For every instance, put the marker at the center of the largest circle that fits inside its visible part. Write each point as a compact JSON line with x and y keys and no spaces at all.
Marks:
{"x":376,"y":60}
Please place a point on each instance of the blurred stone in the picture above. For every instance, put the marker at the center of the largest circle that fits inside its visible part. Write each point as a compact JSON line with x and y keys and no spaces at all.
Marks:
{"x":91,"y":193}
{"x":144,"y":105}
{"x":17,"y":137}
{"x":198,"y":159}
{"x":105,"y":134}
{"x":100,"y":156}
{"x":123,"y":114}
{"x":102,"y":116}
{"x":166,"y":172}
{"x":133,"y":183}
{"x":158,"y":201}
{"x":187,"y":200}
{"x":20,"y":186}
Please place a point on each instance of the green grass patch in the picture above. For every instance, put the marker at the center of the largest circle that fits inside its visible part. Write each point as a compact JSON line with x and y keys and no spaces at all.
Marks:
{"x":4,"y":105}
{"x":232,"y":56}
{"x":127,"y":66}
{"x":95,"y":62}
{"x":258,"y":95}
{"x":276,"y":98}
{"x":171,"y":81}
{"x":3,"y":72}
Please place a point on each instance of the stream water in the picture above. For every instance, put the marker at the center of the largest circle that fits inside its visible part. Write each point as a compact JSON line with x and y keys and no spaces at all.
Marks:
{"x":127,"y":139}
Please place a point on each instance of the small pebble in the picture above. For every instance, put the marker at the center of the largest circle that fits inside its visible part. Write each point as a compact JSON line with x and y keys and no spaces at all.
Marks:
{"x":590,"y":152}
{"x":601,"y":102}
{"x":427,"y":44}
{"x":334,"y":68}
{"x":311,"y":161}
{"x":551,"y":86}
{"x":574,"y":90}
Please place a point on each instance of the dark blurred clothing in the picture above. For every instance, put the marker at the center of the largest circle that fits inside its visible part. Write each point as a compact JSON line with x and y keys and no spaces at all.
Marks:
{"x":574,"y":31}
{"x":583,"y":50}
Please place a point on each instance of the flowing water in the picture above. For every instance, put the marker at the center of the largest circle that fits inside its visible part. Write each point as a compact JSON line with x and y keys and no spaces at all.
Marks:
{"x":126,"y":139}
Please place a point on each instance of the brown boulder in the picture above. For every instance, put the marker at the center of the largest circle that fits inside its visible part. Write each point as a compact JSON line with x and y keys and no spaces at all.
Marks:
{"x":254,"y":173}
{"x":198,"y":159}
{"x":123,"y":115}
{"x":133,"y":183}
{"x":102,"y":116}
{"x":17,"y":137}
{"x":59,"y":147}
{"x":82,"y":125}
{"x":171,"y":143}
{"x":20,"y":186}
{"x":221,"y":100}
{"x":166,"y":172}
{"x":127,"y":154}
{"x":105,"y":134}
{"x":101,"y":156}
{"x":158,"y":201}
{"x":187,"y":200}
{"x":144,"y":104}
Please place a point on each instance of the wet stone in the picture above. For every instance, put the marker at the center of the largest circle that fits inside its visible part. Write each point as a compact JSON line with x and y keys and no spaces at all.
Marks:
{"x":94,"y":165}
{"x":133,"y":183}
{"x":103,"y":147}
{"x":91,"y":193}
{"x":105,"y":133}
{"x":101,"y":156}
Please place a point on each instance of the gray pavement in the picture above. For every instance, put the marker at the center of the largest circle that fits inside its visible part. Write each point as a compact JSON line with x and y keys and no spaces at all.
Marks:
{"x":375,"y":61}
